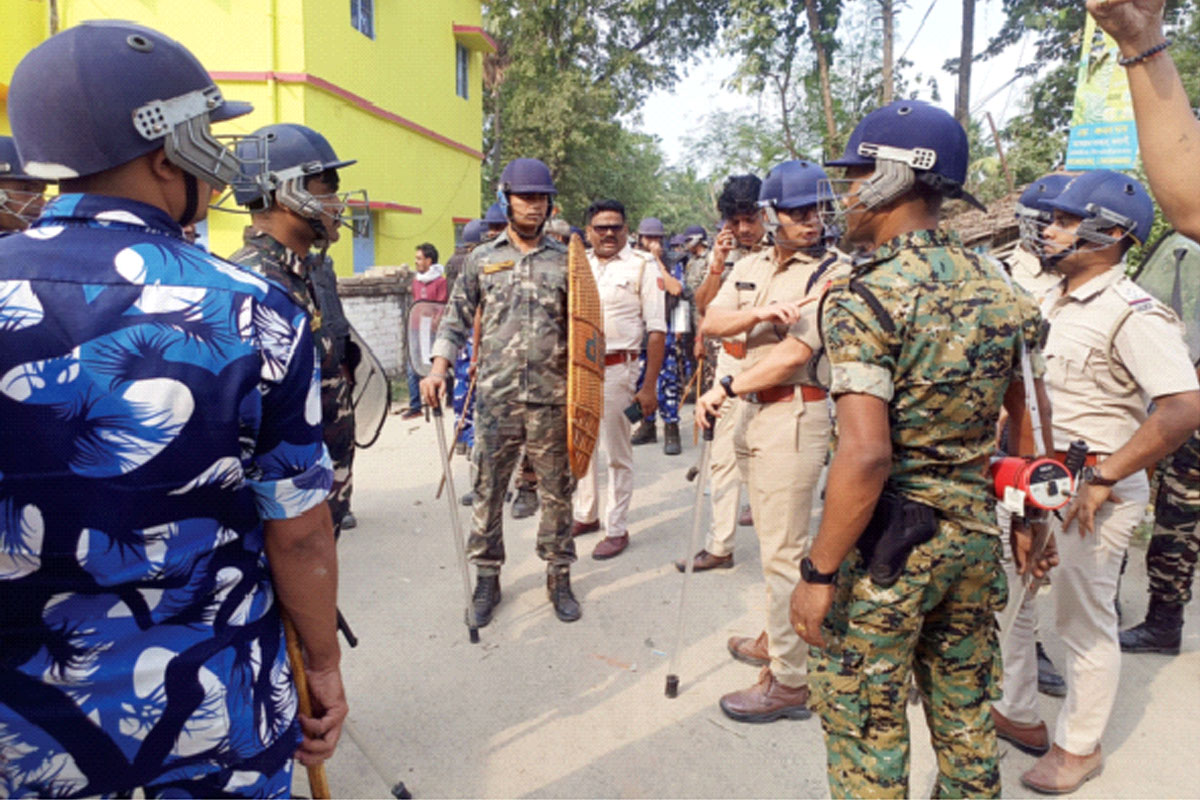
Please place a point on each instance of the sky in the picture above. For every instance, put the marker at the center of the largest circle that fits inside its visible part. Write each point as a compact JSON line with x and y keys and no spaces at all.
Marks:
{"x":672,"y":115}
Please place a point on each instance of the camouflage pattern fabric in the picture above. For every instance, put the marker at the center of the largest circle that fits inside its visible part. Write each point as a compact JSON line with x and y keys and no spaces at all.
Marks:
{"x":940,"y":346}
{"x":270,"y":258}
{"x":523,"y":349}
{"x":1175,"y":545}
{"x":943,"y":369}
{"x":935,"y":620}
{"x":453,"y":267}
{"x":526,"y":477}
{"x":671,"y":378}
{"x":500,"y":430}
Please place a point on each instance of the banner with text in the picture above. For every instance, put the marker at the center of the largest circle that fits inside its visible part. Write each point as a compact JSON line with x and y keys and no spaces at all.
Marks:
{"x":1103,"y":134}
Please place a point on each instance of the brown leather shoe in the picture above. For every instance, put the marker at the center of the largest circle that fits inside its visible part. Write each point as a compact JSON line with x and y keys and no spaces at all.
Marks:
{"x":1033,"y":739}
{"x":750,"y":650}
{"x":706,"y":560}
{"x":611,"y":546}
{"x":580,"y":528}
{"x":1060,"y":772}
{"x":767,"y":701}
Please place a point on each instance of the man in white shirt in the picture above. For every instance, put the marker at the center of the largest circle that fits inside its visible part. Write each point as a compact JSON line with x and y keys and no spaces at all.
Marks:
{"x":633,"y":307}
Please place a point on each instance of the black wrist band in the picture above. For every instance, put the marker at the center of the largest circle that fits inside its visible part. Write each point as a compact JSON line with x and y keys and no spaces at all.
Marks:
{"x":727,"y":385}
{"x":1145,"y":54}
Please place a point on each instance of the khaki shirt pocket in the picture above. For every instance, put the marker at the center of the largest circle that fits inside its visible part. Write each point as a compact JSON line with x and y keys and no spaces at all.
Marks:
{"x":1070,"y":366}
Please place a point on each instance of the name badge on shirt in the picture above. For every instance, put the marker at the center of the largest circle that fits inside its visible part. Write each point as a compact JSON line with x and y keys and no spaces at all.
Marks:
{"x":747,"y":285}
{"x":498,"y":266}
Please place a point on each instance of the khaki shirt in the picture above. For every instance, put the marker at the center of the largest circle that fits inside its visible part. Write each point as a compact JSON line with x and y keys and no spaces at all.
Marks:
{"x":758,"y":280}
{"x":727,"y":364}
{"x":1112,"y":349}
{"x":629,"y":294}
{"x":1028,"y":272}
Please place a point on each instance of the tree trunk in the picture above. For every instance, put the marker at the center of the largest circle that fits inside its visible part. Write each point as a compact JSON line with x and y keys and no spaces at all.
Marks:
{"x":962,"y":103}
{"x":889,"y":24}
{"x":814,"y":29}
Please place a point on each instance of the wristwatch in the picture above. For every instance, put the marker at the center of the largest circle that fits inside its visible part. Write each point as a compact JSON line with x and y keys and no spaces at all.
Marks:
{"x":727,"y":385}
{"x":1092,"y":476}
{"x":810,"y":574}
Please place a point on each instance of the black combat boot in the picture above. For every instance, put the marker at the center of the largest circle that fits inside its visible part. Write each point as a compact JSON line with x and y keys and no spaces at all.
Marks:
{"x":487,"y":597}
{"x":558,"y":586}
{"x":646,"y":433}
{"x":526,"y":504}
{"x":1159,"y":633}
{"x":671,"y":445}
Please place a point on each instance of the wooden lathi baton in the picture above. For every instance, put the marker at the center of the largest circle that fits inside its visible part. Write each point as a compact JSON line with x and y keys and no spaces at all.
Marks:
{"x":318,"y":784}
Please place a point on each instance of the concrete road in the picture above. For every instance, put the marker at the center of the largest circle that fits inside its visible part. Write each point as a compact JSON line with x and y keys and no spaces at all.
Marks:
{"x":544,"y":709}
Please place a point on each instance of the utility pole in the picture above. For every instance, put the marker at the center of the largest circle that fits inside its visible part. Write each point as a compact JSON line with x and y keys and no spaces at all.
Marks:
{"x":962,"y":102}
{"x":889,"y":24}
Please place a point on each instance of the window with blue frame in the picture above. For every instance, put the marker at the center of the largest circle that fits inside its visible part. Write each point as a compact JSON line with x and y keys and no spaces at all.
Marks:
{"x":362,"y":17}
{"x":462,"y":57}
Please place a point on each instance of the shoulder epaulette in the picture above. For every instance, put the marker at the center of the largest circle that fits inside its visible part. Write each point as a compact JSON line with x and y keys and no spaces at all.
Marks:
{"x":1135,"y":296}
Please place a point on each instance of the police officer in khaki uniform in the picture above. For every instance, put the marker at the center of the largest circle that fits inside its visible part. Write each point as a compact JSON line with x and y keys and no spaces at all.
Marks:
{"x":742,"y":233}
{"x":1112,"y":349}
{"x":786,"y":422}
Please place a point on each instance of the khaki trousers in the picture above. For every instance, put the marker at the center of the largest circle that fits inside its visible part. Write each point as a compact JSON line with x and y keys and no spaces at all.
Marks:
{"x":787,"y":442}
{"x":1085,"y":587}
{"x":620,"y":384}
{"x":727,"y":472}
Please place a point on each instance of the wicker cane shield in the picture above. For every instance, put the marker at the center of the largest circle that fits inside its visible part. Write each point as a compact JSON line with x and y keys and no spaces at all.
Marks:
{"x":585,"y":352}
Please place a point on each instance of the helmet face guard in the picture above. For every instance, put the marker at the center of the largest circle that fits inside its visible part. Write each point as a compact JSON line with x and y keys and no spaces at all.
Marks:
{"x":774,"y":225}
{"x":350,"y":210}
{"x":24,"y":205}
{"x":1032,"y":225}
{"x":1091,"y":236}
{"x":183,"y":124}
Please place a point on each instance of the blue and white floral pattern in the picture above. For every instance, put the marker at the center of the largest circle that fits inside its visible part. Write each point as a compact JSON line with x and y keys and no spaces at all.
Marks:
{"x":156,"y":403}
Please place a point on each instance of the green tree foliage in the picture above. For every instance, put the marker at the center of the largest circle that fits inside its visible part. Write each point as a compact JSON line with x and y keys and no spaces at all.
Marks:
{"x":566,"y":72}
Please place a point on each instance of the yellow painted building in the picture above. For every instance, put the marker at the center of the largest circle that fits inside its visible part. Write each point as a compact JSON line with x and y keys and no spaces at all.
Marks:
{"x":396,"y":84}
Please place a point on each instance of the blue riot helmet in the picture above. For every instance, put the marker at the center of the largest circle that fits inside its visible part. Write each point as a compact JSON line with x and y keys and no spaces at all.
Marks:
{"x":1104,"y":200}
{"x":694,"y":235}
{"x":526,"y":176}
{"x":495,"y":215}
{"x":495,"y":219}
{"x":651,"y":226}
{"x":472,"y":232}
{"x":1034,"y":211}
{"x":906,"y":142}
{"x":105,"y":92}
{"x":789,"y":186}
{"x":21,"y":194}
{"x":295,"y":155}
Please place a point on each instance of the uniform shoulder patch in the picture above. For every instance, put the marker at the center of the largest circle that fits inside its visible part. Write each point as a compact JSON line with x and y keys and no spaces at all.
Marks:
{"x":1135,"y":296}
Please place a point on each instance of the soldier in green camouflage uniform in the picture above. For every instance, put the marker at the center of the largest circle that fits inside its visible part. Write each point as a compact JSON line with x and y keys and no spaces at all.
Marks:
{"x":923,"y":342}
{"x":304,"y":214}
{"x":268,"y":257}
{"x":519,"y":278}
{"x":1171,"y":558}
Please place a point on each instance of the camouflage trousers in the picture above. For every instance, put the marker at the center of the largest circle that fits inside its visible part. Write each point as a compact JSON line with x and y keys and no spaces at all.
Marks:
{"x":337,"y":415}
{"x":670,"y":379}
{"x":1175,"y":545}
{"x":500,"y":431}
{"x":936,"y":620}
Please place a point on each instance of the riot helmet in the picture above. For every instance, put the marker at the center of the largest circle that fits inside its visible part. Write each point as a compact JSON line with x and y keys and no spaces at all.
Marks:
{"x":105,"y":92}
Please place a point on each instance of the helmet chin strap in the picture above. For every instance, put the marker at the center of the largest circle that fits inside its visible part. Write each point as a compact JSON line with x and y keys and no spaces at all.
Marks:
{"x":512,"y":223}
